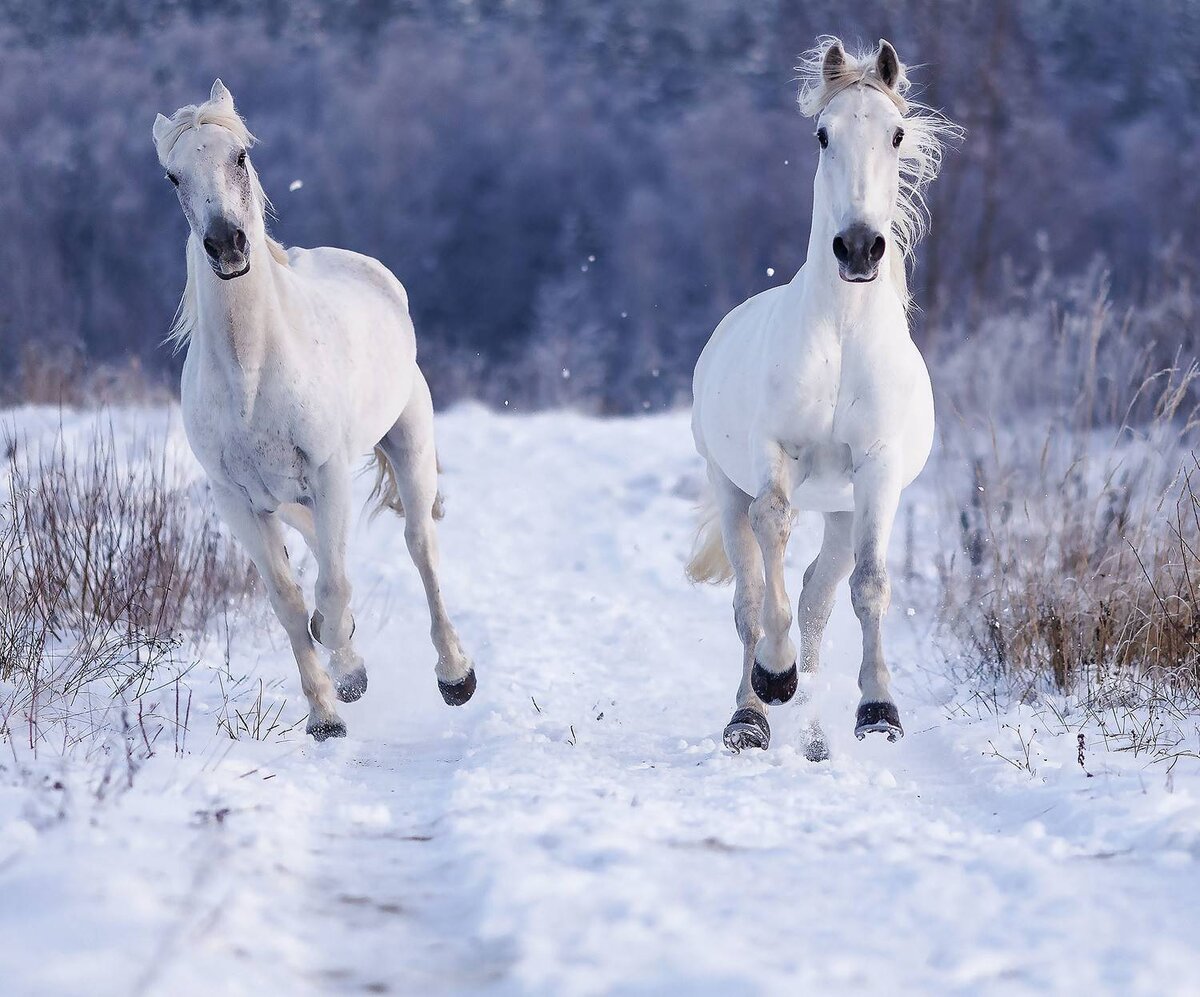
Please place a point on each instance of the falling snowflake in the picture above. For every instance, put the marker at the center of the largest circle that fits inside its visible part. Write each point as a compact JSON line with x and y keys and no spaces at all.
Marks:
{"x":295,"y":185}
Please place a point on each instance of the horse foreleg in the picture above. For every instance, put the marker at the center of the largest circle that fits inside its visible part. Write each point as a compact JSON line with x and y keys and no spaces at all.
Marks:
{"x":821,"y":580}
{"x":409,"y":448}
{"x":748,"y":727}
{"x":876,"y":497}
{"x":332,"y":622}
{"x":773,"y":676}
{"x":261,"y":536}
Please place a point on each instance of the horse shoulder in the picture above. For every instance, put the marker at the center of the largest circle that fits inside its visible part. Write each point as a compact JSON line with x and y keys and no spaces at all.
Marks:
{"x":734,"y":333}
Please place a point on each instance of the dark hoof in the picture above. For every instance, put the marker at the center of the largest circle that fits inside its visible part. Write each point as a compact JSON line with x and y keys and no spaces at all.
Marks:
{"x":350,"y":688}
{"x":747,"y":729}
{"x":772,"y":689}
{"x":314,"y":631}
{"x":320,"y":730}
{"x":878,"y":718}
{"x":457,"y":693}
{"x":817,"y":748}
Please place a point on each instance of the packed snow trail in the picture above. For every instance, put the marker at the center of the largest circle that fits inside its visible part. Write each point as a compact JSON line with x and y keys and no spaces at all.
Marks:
{"x":578,"y":827}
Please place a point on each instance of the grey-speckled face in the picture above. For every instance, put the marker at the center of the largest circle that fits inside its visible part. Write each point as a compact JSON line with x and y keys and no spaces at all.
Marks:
{"x":211,"y":173}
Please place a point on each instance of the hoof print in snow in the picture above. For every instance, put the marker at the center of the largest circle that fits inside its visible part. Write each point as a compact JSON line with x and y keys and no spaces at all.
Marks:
{"x":817,"y":748}
{"x":878,"y":718}
{"x":457,"y":693}
{"x":774,"y":689}
{"x":747,"y":729}
{"x":324,"y":729}
{"x":314,"y":628}
{"x":350,"y":688}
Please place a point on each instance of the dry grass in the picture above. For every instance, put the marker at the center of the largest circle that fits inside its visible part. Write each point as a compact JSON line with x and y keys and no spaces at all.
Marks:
{"x":64,"y":375}
{"x":1076,"y":564}
{"x":110,"y":560}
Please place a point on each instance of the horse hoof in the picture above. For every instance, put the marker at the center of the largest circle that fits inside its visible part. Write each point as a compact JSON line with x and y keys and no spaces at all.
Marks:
{"x":878,"y":718}
{"x":774,"y":689}
{"x":457,"y":693}
{"x":747,"y":729}
{"x":350,"y":688}
{"x":323,"y":729}
{"x":817,"y":748}
{"x":314,"y":630}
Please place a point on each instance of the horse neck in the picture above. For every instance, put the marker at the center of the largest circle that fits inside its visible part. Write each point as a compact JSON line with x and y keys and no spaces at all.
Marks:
{"x":238,"y":320}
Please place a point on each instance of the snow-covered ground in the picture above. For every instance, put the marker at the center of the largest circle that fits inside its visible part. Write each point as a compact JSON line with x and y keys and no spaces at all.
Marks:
{"x":578,"y":828}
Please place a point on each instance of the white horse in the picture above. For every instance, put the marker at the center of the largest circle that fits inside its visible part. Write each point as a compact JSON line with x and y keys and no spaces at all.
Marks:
{"x":813,"y":396}
{"x":299,"y":362}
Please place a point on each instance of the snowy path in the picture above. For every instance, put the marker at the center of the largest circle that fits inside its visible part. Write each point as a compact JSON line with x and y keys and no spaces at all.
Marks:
{"x":578,"y":828}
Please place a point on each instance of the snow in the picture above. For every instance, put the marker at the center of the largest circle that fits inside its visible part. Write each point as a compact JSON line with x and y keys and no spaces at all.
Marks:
{"x":579,"y":828}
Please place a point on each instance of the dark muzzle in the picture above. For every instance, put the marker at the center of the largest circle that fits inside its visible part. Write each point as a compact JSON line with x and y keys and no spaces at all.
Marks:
{"x":227,"y":248}
{"x":858,"y":249}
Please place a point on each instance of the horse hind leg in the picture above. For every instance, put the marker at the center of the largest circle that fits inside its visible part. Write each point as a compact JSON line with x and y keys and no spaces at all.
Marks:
{"x":409,"y":449}
{"x":748,"y":727}
{"x":821,"y":580}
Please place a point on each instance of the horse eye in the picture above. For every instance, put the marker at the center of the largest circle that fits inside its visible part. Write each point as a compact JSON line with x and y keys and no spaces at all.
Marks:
{"x":241,"y":160}
{"x":173,"y":178}
{"x":897,"y":138}
{"x":823,"y":138}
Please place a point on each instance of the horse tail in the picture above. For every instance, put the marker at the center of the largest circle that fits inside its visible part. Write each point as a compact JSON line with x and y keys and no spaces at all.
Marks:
{"x":709,"y":563}
{"x":385,"y":494}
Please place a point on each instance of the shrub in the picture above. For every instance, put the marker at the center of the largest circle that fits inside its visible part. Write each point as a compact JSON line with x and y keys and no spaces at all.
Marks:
{"x":110,"y":560}
{"x":1076,"y":560}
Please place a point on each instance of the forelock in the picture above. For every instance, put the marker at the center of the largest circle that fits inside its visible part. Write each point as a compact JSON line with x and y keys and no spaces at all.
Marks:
{"x":193,"y":116}
{"x":859,"y":69}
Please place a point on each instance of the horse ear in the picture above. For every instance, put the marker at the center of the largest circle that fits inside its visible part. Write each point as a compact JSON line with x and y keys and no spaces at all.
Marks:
{"x":162,"y":125}
{"x":220,"y":93}
{"x":834,"y":63}
{"x":887,"y":64}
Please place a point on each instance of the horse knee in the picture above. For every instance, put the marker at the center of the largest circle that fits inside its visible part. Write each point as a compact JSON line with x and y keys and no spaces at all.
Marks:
{"x":288,"y":603}
{"x":418,"y":536}
{"x":870,"y":589}
{"x":770,"y":517}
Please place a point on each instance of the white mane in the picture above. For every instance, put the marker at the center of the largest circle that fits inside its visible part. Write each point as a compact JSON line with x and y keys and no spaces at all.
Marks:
{"x":925,"y":133}
{"x":211,"y":112}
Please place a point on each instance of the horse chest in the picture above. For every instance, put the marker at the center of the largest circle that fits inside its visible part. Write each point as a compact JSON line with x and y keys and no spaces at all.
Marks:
{"x":802,"y":394}
{"x":267,"y":458}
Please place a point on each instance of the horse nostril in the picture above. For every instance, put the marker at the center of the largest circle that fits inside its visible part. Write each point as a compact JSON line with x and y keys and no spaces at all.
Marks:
{"x":239,"y":241}
{"x":840,"y":250}
{"x":877,"y":248}
{"x":210,"y":247}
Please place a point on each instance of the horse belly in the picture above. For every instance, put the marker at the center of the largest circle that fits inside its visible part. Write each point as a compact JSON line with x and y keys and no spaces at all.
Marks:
{"x":821,"y":474}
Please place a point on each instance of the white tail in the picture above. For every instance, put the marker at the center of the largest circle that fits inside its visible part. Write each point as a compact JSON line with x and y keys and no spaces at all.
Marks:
{"x":709,"y":564}
{"x":386,"y":492}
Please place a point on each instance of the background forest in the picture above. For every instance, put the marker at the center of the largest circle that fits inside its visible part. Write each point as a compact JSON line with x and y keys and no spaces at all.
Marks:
{"x":579,"y":186}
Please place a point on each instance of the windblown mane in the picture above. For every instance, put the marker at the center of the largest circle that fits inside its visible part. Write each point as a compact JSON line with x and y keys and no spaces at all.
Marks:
{"x":926,"y":131}
{"x":191,"y":116}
